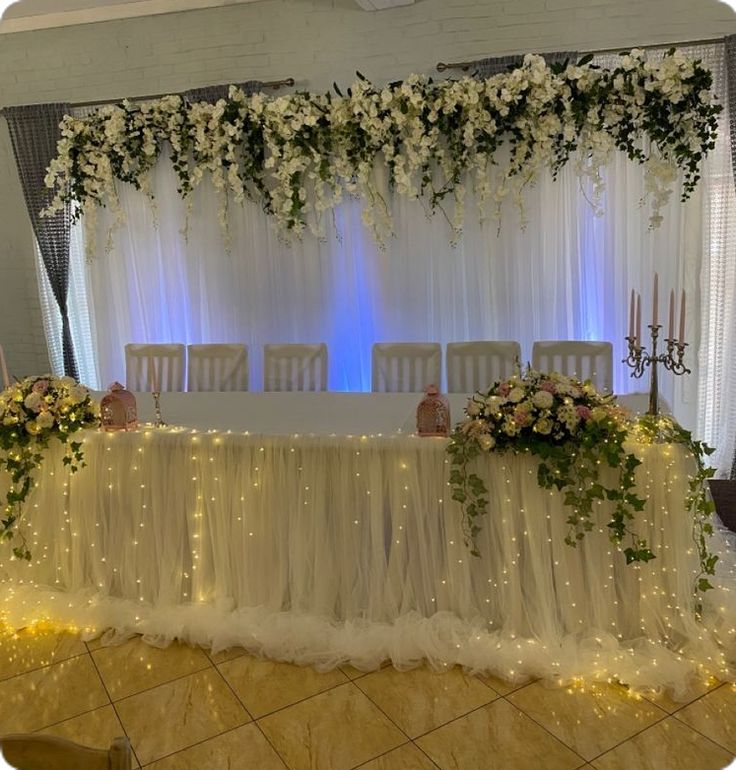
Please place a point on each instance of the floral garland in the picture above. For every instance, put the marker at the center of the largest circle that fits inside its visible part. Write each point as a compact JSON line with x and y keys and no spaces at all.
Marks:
{"x":575,"y":432}
{"x":573,"y":429}
{"x":298,"y":155}
{"x":32,"y":412}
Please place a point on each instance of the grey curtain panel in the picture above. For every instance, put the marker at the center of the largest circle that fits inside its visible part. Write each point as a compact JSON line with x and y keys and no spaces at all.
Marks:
{"x":213,"y":94}
{"x":34,"y":132}
{"x":485,"y":68}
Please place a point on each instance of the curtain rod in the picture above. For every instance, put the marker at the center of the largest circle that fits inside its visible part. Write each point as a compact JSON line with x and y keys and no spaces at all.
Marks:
{"x":465,"y":65}
{"x":274,"y":84}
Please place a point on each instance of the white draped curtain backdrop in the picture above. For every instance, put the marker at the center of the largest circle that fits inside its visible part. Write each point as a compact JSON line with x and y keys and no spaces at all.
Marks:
{"x":566,"y":275}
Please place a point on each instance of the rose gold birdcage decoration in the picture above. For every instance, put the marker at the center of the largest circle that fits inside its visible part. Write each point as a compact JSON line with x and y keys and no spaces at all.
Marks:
{"x":433,"y":414}
{"x":118,"y":410}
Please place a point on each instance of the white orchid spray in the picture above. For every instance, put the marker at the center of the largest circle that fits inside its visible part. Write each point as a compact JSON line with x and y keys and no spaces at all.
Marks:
{"x":298,"y":155}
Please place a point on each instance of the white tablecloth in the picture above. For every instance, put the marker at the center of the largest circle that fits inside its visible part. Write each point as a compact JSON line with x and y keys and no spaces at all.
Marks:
{"x":318,"y":413}
{"x":325,"y":550}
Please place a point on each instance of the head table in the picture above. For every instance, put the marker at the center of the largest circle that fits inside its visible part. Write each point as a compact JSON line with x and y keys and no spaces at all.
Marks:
{"x":326,"y":549}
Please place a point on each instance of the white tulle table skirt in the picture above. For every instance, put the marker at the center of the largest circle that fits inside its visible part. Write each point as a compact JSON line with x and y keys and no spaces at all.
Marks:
{"x":326,"y":550}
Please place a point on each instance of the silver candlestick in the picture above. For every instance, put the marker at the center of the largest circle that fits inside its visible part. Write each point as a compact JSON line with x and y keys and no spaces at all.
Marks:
{"x":639,"y":358}
{"x":159,"y":421}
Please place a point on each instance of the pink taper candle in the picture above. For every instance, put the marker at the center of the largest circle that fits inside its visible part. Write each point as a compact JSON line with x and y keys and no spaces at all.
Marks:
{"x":631,"y":315}
{"x":6,"y":379}
{"x":682,"y":318}
{"x":638,"y":320}
{"x":672,"y":315}
{"x":655,"y":299}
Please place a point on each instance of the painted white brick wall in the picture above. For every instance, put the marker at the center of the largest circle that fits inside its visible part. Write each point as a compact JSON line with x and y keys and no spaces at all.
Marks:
{"x":315,"y":41}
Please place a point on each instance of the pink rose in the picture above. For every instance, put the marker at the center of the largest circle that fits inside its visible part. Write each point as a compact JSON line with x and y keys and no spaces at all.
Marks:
{"x":504,"y":389}
{"x":583,"y":412}
{"x":549,"y":386}
{"x":522,"y":417}
{"x":40,"y":386}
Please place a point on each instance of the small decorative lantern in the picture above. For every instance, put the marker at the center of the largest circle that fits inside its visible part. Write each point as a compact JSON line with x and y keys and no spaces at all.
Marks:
{"x":118,"y":410}
{"x":433,"y":414}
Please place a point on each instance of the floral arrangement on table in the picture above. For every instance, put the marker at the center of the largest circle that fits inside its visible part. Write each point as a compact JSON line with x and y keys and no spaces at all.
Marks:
{"x":32,"y":412}
{"x":576,"y":432}
{"x":299,"y":154}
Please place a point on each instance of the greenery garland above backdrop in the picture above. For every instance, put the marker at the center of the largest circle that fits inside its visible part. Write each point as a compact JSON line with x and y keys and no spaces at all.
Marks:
{"x":575,"y":432}
{"x":32,"y":412}
{"x":297,"y":155}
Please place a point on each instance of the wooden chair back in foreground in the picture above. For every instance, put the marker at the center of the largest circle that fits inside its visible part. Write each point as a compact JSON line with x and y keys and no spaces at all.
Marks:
{"x":47,"y":752}
{"x":157,"y":366}
{"x":405,"y":367}
{"x":474,"y":366}
{"x":582,"y":359}
{"x":295,"y":367}
{"x":217,"y":368}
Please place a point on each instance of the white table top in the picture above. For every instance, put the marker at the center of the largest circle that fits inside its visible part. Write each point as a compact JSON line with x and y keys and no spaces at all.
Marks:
{"x":313,"y":413}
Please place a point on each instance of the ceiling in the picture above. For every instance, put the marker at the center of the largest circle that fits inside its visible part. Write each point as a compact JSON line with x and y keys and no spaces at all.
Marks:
{"x":25,"y":15}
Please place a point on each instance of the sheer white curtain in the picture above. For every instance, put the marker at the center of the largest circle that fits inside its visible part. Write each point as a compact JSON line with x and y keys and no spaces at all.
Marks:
{"x":567,"y":275}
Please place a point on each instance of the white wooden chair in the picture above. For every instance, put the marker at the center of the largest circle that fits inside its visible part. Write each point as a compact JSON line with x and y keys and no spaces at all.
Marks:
{"x":405,"y":367}
{"x":295,"y":367}
{"x":155,"y":364}
{"x":474,"y":366}
{"x":217,"y":367}
{"x":585,"y":360}
{"x":47,"y":752}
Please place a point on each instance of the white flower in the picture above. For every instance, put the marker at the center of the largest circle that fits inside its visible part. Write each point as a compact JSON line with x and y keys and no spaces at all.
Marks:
{"x":543,"y":399}
{"x":544,"y":426}
{"x":516,"y":395}
{"x":486,"y":442}
{"x":33,"y":401}
{"x":473,"y":408}
{"x":45,"y":420}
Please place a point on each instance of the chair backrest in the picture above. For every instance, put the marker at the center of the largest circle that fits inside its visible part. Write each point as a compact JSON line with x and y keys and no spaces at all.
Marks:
{"x":405,"y":367}
{"x":585,"y":360}
{"x":155,"y":364}
{"x":474,"y":366}
{"x":217,"y":367}
{"x":47,"y":752}
{"x":295,"y":367}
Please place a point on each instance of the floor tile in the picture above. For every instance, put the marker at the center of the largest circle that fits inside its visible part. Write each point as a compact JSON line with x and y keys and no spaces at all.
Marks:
{"x":714,"y":715}
{"x":420,"y":700}
{"x":265,"y":685}
{"x":501,"y":686}
{"x":27,"y":650}
{"x":178,"y":714}
{"x":337,"y":729}
{"x":244,"y":748}
{"x":496,"y":737}
{"x":668,"y":745}
{"x":95,"y":729}
{"x":670,"y":705}
{"x":48,"y":695}
{"x":135,"y":666}
{"x":224,"y":655}
{"x":590,"y":721}
{"x":407,"y":757}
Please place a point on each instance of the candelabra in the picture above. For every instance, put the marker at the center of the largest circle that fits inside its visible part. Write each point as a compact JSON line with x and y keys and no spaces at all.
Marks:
{"x":159,"y":420}
{"x":639,"y":358}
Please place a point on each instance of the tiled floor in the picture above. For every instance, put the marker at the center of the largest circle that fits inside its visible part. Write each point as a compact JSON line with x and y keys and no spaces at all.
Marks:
{"x":186,"y":710}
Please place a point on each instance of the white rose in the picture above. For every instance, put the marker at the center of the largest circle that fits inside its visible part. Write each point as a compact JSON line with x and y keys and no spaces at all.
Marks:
{"x":473,"y":408}
{"x":543,"y":399}
{"x":544,"y":426}
{"x":33,"y":401}
{"x":486,"y":442}
{"x":78,"y":393}
{"x":516,"y":395}
{"x":45,"y":420}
